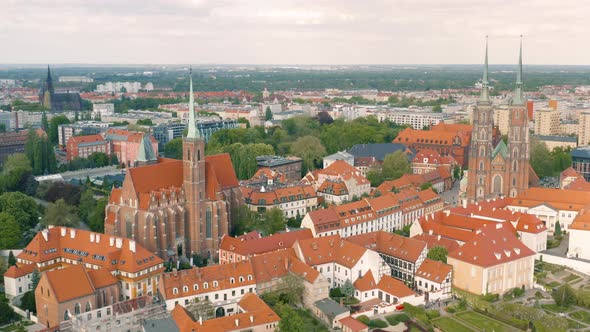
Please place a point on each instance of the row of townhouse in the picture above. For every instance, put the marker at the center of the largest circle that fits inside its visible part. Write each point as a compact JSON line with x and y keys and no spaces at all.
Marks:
{"x":338,"y":183}
{"x":388,"y":212}
{"x":225,"y":284}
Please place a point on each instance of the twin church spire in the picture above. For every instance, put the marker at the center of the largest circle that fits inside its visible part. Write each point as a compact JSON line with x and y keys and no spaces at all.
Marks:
{"x":518,"y":98}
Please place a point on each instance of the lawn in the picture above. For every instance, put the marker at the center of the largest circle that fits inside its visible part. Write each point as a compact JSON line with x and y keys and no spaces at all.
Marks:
{"x":556,"y":308}
{"x":449,"y":324}
{"x":571,"y":278}
{"x":572,"y":324}
{"x":482,"y":322}
{"x":581,"y":315}
{"x":553,"y":284}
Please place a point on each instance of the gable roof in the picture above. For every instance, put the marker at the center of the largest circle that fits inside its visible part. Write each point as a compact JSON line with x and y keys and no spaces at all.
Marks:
{"x":20,"y":270}
{"x":394,"y":287}
{"x":366,"y":282}
{"x":353,"y":324}
{"x":260,"y":245}
{"x":434,"y":270}
{"x":501,"y":149}
{"x":69,"y":283}
{"x":561,"y":199}
{"x":432,"y":240}
{"x":408,"y":249}
{"x":277,"y":264}
{"x":329,"y":249}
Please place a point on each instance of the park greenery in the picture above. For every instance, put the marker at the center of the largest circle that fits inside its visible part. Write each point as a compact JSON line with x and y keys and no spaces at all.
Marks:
{"x":266,"y":222}
{"x":299,"y":136}
{"x":438,"y":253}
{"x":394,"y":166}
{"x":548,"y":163}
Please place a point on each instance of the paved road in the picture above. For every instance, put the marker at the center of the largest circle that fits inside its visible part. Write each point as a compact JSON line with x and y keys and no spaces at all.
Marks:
{"x":451,"y":196}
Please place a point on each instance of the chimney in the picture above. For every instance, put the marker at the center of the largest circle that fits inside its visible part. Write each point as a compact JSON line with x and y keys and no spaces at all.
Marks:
{"x":480,"y":208}
{"x":45,"y":234}
{"x":341,"y":302}
{"x":438,"y":238}
{"x":430,"y":232}
{"x":72,"y":233}
{"x":175,"y":272}
{"x":237,"y":322}
{"x":200,"y":320}
{"x":447,"y":212}
{"x":251,"y":318}
{"x":111,"y":241}
{"x":97,"y":238}
{"x":498,"y":225}
{"x":132,"y":245}
{"x":63,"y":231}
{"x":92,"y":237}
{"x":478,"y":231}
{"x":464,"y":203}
{"x":314,"y":246}
{"x":118,"y":242}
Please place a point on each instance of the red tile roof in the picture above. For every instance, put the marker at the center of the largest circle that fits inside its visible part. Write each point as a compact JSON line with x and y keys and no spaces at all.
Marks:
{"x":277,"y":264}
{"x":259,"y":245}
{"x":70,"y":283}
{"x":77,"y":244}
{"x":434,"y":270}
{"x":20,"y":270}
{"x":491,"y":245}
{"x":394,"y":287}
{"x":353,"y":324}
{"x":557,"y":198}
{"x":329,"y":249}
{"x":221,"y":274}
{"x":408,"y":249}
{"x":366,"y":282}
{"x":254,"y":312}
{"x":432,"y":240}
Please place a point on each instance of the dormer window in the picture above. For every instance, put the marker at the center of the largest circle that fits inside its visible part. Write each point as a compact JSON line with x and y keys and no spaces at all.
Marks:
{"x":185,"y":289}
{"x":215,"y":283}
{"x":174,"y":290}
{"x":232,"y":281}
{"x":195,"y":287}
{"x":205,"y":285}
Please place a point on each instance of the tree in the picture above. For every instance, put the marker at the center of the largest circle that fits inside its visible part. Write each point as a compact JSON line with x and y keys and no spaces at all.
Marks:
{"x":10,"y":233}
{"x":292,"y":289}
{"x":27,"y":302}
{"x":144,"y":122}
{"x":541,"y":159}
{"x":44,"y":122}
{"x":7,"y":314}
{"x":557,"y":229}
{"x":457,"y":172}
{"x":2,"y":128}
{"x":15,"y":171}
{"x":35,"y":278}
{"x":66,"y":191}
{"x":395,"y":165}
{"x":200,"y":308}
{"x":564,"y":296}
{"x":274,"y":221}
{"x":437,"y":109}
{"x":348,"y":288}
{"x":53,"y":127}
{"x":268,"y":114}
{"x":87,"y":203}
{"x":290,"y":320}
{"x":438,"y":253}
{"x":11,"y":259}
{"x":310,"y":149}
{"x":173,"y":149}
{"x":375,"y":176}
{"x":23,"y":208}
{"x":61,"y":214}
{"x":96,"y":217}
{"x":3,"y":265}
{"x":325,"y":118}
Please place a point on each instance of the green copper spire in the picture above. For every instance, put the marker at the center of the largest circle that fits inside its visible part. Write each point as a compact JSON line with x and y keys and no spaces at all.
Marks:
{"x":518,"y":98}
{"x":146,"y":151}
{"x":485,"y":90}
{"x":192,"y":124}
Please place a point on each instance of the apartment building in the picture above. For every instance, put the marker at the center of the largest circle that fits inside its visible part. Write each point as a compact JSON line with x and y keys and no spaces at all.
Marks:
{"x":584,"y":129}
{"x":547,"y":122}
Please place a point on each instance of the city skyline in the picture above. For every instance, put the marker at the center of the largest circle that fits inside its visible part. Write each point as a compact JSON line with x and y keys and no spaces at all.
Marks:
{"x":291,"y":32}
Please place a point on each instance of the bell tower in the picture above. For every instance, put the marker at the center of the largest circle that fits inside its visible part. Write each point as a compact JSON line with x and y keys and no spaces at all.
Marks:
{"x":480,"y":150}
{"x":193,"y":168}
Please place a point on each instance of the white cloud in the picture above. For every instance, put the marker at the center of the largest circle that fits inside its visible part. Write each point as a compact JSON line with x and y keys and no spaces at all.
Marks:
{"x":291,"y":31}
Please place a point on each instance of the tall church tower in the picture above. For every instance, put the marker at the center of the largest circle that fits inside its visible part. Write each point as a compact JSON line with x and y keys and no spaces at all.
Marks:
{"x":46,"y":94}
{"x":193,"y":168}
{"x":517,"y":179}
{"x":480,"y":150}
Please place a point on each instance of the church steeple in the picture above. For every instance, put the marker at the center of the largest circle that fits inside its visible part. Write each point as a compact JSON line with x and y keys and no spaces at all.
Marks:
{"x":192,"y":125}
{"x":518,"y":98}
{"x":49,"y":81}
{"x":485,"y":91}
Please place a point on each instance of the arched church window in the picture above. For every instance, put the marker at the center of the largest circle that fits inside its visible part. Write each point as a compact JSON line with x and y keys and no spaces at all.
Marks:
{"x":188,"y":154}
{"x":198,"y":154}
{"x":515,"y":153}
{"x":514,"y":166}
{"x":482,"y":151}
{"x":481,"y":165}
{"x":513,"y":181}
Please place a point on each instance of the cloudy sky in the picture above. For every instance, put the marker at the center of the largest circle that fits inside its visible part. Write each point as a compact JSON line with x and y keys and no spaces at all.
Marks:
{"x":293,"y":31}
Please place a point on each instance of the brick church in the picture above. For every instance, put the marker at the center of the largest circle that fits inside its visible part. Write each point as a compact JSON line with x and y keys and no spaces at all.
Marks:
{"x":176,"y":207}
{"x":501,"y":170}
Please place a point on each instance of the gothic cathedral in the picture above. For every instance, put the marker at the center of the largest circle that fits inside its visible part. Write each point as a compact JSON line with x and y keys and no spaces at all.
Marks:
{"x":502,"y":170}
